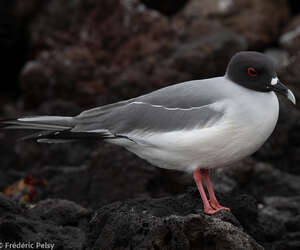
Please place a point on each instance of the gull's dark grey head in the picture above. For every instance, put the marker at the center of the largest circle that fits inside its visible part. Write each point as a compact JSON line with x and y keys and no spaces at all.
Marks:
{"x":256,"y":71}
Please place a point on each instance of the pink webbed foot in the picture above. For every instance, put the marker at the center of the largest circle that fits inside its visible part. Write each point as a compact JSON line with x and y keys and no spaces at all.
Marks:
{"x":217,"y":206}
{"x":211,"y":210}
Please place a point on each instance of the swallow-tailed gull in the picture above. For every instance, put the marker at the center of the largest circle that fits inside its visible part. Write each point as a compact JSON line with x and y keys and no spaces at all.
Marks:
{"x":193,"y":126}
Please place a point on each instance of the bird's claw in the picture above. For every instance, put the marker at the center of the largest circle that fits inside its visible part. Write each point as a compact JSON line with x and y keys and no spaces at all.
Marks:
{"x":217,"y":207}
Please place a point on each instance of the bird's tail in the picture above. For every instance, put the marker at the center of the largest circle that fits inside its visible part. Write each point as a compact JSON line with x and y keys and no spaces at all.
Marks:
{"x":52,"y":129}
{"x":49,"y":123}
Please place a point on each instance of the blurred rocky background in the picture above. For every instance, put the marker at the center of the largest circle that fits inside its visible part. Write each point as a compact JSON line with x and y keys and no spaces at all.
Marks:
{"x":61,"y":57}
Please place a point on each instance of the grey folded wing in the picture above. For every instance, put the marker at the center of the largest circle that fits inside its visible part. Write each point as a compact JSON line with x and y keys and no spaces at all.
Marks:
{"x":182,"y":106}
{"x":147,"y":118}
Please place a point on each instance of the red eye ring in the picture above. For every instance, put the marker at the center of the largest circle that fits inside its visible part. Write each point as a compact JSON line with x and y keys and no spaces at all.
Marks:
{"x":252,"y":72}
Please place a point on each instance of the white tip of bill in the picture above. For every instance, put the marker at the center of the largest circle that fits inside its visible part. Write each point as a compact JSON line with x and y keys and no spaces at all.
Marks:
{"x":291,"y":97}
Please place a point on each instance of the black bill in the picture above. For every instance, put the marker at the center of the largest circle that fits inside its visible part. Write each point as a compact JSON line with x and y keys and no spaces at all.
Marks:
{"x":280,"y":88}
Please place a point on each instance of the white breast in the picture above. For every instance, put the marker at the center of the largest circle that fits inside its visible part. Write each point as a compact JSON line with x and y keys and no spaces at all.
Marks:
{"x":249,"y":122}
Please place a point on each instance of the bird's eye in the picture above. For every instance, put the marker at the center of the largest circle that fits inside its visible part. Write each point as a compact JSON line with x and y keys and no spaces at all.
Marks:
{"x":252,"y":72}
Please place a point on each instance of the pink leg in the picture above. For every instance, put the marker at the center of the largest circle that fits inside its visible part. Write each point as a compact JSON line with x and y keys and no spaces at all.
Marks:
{"x":208,"y":209}
{"x":213,"y":200}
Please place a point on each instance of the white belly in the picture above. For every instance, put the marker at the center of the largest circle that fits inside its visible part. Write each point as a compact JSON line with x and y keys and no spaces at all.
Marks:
{"x":242,"y":130}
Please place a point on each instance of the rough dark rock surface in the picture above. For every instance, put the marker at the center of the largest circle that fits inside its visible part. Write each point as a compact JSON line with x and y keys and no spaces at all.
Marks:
{"x":269,"y":186}
{"x":255,"y":20}
{"x":166,"y":223}
{"x":48,"y":221}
